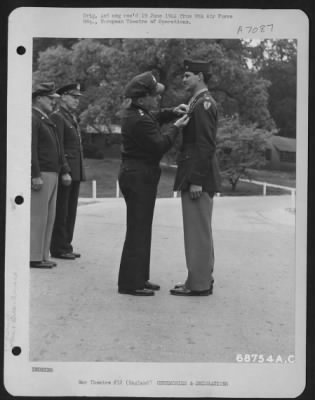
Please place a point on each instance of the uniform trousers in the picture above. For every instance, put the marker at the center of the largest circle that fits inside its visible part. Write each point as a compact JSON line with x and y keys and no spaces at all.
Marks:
{"x":66,"y":212}
{"x":139,"y":187}
{"x":43,"y":208}
{"x":198,"y":240}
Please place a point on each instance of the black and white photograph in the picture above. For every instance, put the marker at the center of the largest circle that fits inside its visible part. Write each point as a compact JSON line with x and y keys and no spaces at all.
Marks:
{"x":161,"y":208}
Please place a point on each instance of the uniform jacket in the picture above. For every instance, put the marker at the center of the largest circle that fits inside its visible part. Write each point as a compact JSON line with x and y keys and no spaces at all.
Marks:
{"x":46,"y":150}
{"x":70,"y":137}
{"x":141,"y":135}
{"x":197,"y":162}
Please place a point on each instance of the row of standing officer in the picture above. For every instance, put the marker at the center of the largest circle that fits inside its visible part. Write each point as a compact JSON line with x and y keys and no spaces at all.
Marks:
{"x":56,"y":172}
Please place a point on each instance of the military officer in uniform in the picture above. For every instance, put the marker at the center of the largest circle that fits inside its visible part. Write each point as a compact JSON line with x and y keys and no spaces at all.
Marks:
{"x":143,"y":146}
{"x":198,"y":179}
{"x":67,"y":200}
{"x":47,"y":163}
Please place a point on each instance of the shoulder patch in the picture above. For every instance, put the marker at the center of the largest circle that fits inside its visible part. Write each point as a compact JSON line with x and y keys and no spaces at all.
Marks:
{"x":206,"y":104}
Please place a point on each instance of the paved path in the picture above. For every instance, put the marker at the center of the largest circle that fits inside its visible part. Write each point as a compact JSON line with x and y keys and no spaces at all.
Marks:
{"x":77,"y":314}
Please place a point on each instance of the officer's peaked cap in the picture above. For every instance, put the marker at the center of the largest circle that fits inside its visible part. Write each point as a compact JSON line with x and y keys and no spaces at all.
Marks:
{"x":44,"y":89}
{"x":143,"y":84}
{"x":72,"y":88}
{"x":195,"y":66}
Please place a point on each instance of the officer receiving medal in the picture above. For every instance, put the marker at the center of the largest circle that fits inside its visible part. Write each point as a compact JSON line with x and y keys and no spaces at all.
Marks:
{"x":198,"y":179}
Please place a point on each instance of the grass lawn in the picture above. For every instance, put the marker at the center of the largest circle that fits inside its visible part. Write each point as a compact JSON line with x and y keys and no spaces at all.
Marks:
{"x":105,"y":172}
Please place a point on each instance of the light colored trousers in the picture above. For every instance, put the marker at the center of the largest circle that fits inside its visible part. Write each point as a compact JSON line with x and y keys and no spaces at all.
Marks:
{"x":43,"y":211}
{"x":197,"y":216}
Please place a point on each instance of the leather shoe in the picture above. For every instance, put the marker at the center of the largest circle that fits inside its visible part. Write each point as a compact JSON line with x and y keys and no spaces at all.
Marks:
{"x":53,"y":264}
{"x":64,"y":256}
{"x":183,"y":291}
{"x":182,"y":285}
{"x":151,"y":286}
{"x":137,"y":292}
{"x":40,"y":264}
{"x":179,"y":285}
{"x":76,"y":255}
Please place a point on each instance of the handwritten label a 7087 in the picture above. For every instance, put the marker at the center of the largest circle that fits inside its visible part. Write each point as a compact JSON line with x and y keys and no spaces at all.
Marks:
{"x":252,"y":29}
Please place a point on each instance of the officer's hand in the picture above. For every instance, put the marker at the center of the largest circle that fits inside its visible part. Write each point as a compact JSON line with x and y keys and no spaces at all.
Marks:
{"x":181,"y":122}
{"x":181,"y":109}
{"x":37,"y":184}
{"x":195,"y":191}
{"x":66,"y":179}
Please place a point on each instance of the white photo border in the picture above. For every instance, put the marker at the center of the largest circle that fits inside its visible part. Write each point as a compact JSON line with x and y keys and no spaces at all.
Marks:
{"x":265,"y":380}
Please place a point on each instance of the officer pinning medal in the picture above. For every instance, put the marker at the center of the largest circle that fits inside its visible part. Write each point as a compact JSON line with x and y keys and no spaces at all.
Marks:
{"x":143,"y":146}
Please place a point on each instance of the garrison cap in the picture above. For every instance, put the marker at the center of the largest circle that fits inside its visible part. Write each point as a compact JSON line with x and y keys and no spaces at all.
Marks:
{"x":197,"y":66}
{"x":143,"y":84}
{"x":71,"y":88}
{"x":44,"y":89}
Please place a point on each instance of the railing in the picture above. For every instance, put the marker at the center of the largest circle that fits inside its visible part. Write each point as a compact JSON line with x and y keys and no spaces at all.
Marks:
{"x":264,"y":185}
{"x":94,"y":192}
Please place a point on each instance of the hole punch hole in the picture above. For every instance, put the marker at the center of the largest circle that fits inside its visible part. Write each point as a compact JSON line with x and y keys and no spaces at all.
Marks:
{"x":16,"y":351}
{"x":21,"y":50}
{"x":19,"y":200}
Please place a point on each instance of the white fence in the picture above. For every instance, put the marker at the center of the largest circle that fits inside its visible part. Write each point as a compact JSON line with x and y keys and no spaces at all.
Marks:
{"x":264,"y":185}
{"x":117,"y":190}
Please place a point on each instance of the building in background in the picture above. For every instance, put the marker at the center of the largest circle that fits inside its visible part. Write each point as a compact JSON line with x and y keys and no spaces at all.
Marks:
{"x":280,"y":153}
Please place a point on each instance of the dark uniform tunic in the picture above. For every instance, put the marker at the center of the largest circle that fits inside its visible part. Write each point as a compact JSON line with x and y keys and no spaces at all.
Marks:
{"x":197,"y":162}
{"x":46,"y":149}
{"x":143,"y":146}
{"x":67,"y":200}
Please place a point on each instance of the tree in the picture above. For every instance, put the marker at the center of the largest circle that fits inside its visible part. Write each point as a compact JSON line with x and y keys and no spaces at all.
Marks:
{"x":276,"y":61}
{"x":42,"y":44}
{"x":240,"y":148}
{"x":282,"y":95}
{"x":101,"y":105}
{"x":94,"y":61}
{"x":104,"y":66}
{"x":55,"y":65}
{"x":236,"y":87}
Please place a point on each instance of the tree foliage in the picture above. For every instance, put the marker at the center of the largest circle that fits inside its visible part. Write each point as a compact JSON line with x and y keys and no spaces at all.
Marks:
{"x":55,"y":64}
{"x":276,"y":61}
{"x":240,"y":148}
{"x":254,"y":83}
{"x":96,"y":62}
